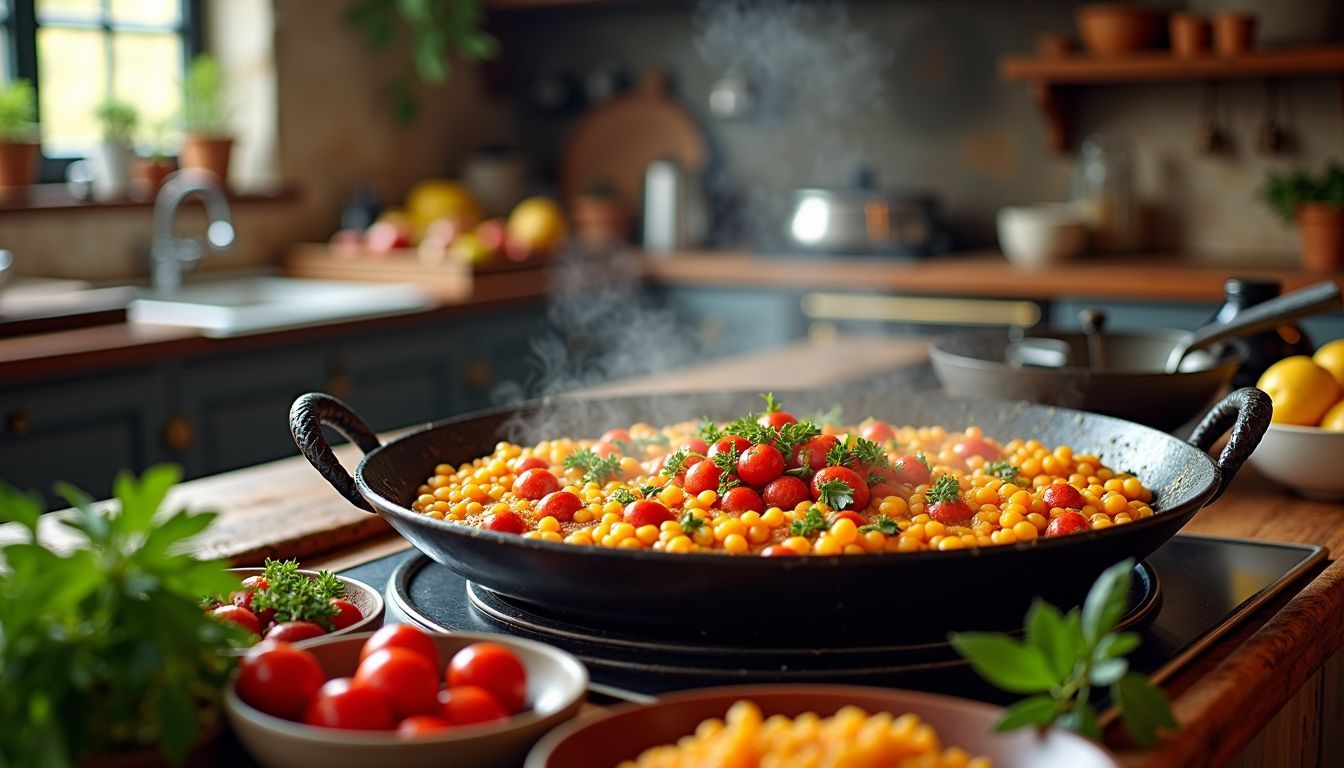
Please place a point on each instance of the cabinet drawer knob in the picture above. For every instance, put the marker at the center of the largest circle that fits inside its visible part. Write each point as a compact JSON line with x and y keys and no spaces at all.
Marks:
{"x":18,"y":422}
{"x":179,"y":434}
{"x":479,"y":373}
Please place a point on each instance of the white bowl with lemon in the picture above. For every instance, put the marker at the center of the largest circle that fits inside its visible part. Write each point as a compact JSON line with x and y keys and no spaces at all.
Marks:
{"x":1304,"y":446}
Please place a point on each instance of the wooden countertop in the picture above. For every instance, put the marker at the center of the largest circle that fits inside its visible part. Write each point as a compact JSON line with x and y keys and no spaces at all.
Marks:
{"x":1221,"y":699}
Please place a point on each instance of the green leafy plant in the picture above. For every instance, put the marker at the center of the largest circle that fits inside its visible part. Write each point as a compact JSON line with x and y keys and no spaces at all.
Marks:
{"x":296,"y":597}
{"x":157,"y":140}
{"x":18,"y":111}
{"x":119,"y":120}
{"x":1064,"y":657}
{"x":1285,"y":192}
{"x":105,"y":648}
{"x":205,"y":108}
{"x":436,"y":31}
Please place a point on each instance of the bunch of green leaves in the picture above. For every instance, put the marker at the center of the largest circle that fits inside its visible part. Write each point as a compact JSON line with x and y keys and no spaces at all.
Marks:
{"x":1285,"y":192}
{"x":596,"y":469}
{"x":119,"y":120}
{"x":726,"y":461}
{"x":18,"y":111}
{"x":105,"y":647}
{"x":676,"y":460}
{"x":1005,"y":471}
{"x":436,"y":30}
{"x":205,"y":107}
{"x":887,"y":525}
{"x":945,"y":488}
{"x":811,"y":524}
{"x":1064,"y":657}
{"x":296,"y":597}
{"x":709,"y":430}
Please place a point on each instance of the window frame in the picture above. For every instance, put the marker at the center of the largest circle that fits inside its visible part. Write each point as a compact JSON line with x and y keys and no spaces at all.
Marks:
{"x":22,"y":27}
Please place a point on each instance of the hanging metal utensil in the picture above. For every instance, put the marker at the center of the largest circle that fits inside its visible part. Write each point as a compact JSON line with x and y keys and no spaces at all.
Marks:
{"x":1211,"y":138}
{"x":1271,"y":139}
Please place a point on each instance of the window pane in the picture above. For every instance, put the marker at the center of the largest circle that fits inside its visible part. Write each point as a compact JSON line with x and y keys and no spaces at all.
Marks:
{"x":5,"y":74}
{"x":84,"y":10}
{"x":147,"y":71}
{"x":157,"y":12}
{"x":74,"y":72}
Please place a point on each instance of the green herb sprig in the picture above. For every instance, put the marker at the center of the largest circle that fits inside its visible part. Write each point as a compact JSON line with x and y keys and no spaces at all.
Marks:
{"x":296,"y":597}
{"x":945,"y":488}
{"x":595,"y":468}
{"x":884,"y":524}
{"x":624,"y":496}
{"x":677,"y":460}
{"x":690,"y":523}
{"x":811,"y":524}
{"x":1064,"y":657}
{"x":1005,"y":471}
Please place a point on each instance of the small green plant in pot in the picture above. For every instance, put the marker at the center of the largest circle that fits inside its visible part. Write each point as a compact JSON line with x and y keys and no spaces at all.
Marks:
{"x":106,"y":651}
{"x":111,"y":159}
{"x":208,"y":140}
{"x":154,"y":162}
{"x":18,"y":135}
{"x":1316,"y":203}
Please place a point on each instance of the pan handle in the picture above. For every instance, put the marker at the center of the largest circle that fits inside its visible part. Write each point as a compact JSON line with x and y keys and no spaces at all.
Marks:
{"x":1247,"y":411}
{"x":307,"y":416}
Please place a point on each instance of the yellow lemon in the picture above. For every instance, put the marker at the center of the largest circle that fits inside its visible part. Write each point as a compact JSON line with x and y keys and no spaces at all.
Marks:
{"x":1334,"y":418}
{"x":537,"y":225}
{"x":1331,"y":357}
{"x":434,"y":199}
{"x":1302,"y":391}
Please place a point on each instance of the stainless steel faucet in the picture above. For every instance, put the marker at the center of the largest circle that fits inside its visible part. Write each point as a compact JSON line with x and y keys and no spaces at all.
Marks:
{"x":171,"y":255}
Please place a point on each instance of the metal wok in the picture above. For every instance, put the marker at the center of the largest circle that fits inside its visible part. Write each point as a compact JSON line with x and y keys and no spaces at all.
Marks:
{"x":755,"y":596}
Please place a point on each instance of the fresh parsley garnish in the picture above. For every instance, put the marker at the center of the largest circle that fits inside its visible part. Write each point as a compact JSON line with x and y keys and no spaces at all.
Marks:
{"x":884,"y":524}
{"x":868,"y":452}
{"x":945,"y":488}
{"x":595,"y":468}
{"x":811,"y":524}
{"x":771,"y":404}
{"x":624,"y":495}
{"x":835,"y":494}
{"x":676,"y":460}
{"x":748,"y":428}
{"x":649,"y":490}
{"x":296,"y":597}
{"x":923,"y":459}
{"x":1005,"y":471}
{"x":791,"y":436}
{"x":838,"y":455}
{"x":709,"y":430}
{"x":1063,"y":657}
{"x":727,"y":460}
{"x":690,"y":523}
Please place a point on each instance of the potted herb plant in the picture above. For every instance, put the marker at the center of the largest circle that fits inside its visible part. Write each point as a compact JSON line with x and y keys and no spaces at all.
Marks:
{"x":208,"y":143}
{"x":154,"y":163}
{"x":111,"y":160}
{"x":107,"y":657}
{"x":18,"y":135}
{"x":1317,"y":205}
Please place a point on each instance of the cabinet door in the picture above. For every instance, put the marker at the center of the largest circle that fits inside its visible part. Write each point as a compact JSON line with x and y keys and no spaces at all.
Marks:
{"x":400,"y":378}
{"x":729,"y":321}
{"x":497,"y":362}
{"x":82,"y":431}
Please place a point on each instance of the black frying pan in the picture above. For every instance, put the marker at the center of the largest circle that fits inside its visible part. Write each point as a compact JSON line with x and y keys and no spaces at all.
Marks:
{"x":851,"y":594}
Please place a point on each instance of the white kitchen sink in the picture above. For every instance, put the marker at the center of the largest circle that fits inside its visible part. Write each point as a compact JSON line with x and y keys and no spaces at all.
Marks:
{"x":239,"y":306}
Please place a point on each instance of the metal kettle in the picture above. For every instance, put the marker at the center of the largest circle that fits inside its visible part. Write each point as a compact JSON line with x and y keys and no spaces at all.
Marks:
{"x":864,"y":219}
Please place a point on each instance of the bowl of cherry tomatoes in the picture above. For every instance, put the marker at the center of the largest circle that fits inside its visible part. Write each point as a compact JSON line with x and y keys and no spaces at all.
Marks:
{"x":282,"y":602}
{"x":401,"y":696}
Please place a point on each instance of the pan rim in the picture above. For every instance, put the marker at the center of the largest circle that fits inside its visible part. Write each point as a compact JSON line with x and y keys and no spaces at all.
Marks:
{"x":1234,"y":354}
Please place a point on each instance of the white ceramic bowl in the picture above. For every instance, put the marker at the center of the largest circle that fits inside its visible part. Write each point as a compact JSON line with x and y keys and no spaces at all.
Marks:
{"x":1306,"y":460}
{"x":1034,"y":237}
{"x":368,"y":600}
{"x":556,"y":686}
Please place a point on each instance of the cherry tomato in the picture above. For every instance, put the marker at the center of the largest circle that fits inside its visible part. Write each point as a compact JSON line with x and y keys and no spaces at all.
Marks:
{"x":618,"y":434}
{"x":467,"y":704}
{"x":505,"y":520}
{"x":279,"y":679}
{"x":535,"y":484}
{"x":403,"y":636}
{"x":785,"y":492}
{"x":521,"y":465}
{"x":882,"y":491}
{"x":778,"y":550}
{"x":255,"y":583}
{"x":776,"y":419}
{"x":857,"y":487}
{"x":642,"y":512}
{"x":493,"y":667}
{"x":950,"y":512}
{"x":605,"y":449}
{"x":347,"y":614}
{"x":975,"y":446}
{"x":910,"y":470}
{"x":422,"y":725}
{"x":561,"y":505}
{"x":726,"y":443}
{"x":760,"y":464}
{"x":686,"y":465}
{"x":294,"y":631}
{"x":850,"y":515}
{"x":340,"y":703}
{"x":877,"y":431}
{"x":1069,"y":522}
{"x":240,"y":616}
{"x":1064,"y":496}
{"x":741,"y":499}
{"x":702,"y":476}
{"x":405,"y":677}
{"x":812,"y":453}
{"x":696,"y":445}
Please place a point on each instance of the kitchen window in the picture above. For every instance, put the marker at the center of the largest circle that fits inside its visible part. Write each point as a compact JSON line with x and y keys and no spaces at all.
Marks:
{"x":79,"y":52}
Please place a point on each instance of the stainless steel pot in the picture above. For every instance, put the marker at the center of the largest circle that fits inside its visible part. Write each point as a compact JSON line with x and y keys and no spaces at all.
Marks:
{"x":864,"y":219}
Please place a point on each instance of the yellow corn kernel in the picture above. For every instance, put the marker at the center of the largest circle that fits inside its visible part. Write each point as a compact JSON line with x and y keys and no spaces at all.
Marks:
{"x":474,"y":508}
{"x":1025,"y":531}
{"x":735,"y":544}
{"x":583,"y":516}
{"x":758,"y":533}
{"x":852,"y":549}
{"x":670,"y":526}
{"x":827,"y":546}
{"x":672,"y":496}
{"x":1038,"y":520}
{"x":548,"y":523}
{"x":679,"y":545}
{"x":773,"y":517}
{"x":728,"y":526}
{"x":750,"y":518}
{"x":799,"y":544}
{"x":843,"y":531}
{"x":951,"y":542}
{"x":892,"y":506}
{"x":934,"y":528}
{"x":873,"y":541}
{"x":622,"y":530}
{"x":1114,"y":503}
{"x":630,"y":543}
{"x":549,"y":536}
{"x":647,"y":533}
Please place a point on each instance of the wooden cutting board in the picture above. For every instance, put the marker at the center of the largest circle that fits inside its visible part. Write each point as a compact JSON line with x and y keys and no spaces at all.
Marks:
{"x":612,"y":145}
{"x":448,"y":280}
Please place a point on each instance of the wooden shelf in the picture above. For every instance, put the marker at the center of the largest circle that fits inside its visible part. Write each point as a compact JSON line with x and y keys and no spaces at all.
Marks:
{"x":40,"y":198}
{"x":1049,"y":75}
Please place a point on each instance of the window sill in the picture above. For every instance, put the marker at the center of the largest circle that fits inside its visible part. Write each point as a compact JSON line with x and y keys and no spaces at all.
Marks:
{"x":39,"y":198}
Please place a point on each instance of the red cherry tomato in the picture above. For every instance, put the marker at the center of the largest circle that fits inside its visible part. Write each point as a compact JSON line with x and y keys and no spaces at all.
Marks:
{"x":294,"y":631}
{"x":877,"y":431}
{"x":686,"y":465}
{"x":255,"y":583}
{"x":642,"y":512}
{"x":785,"y":492}
{"x":910,"y":470}
{"x":778,"y":550}
{"x":726,"y":443}
{"x":776,"y":419}
{"x":505,"y":520}
{"x":696,"y":445}
{"x":493,"y":667}
{"x":950,"y":512}
{"x":467,"y":704}
{"x":422,"y":725}
{"x":605,"y":449}
{"x":1064,"y":496}
{"x":858,"y":488}
{"x":240,"y":616}
{"x":403,"y":636}
{"x":347,"y":614}
{"x":521,"y":465}
{"x":561,"y":505}
{"x":741,"y":499}
{"x":1069,"y":522}
{"x":975,"y":446}
{"x":702,"y":476}
{"x":850,"y":515}
{"x":405,"y":677}
{"x":279,"y":679}
{"x":340,"y":703}
{"x":812,"y":453}
{"x":882,"y":491}
{"x":760,"y":464}
{"x":618,"y":434}
{"x":535,"y":483}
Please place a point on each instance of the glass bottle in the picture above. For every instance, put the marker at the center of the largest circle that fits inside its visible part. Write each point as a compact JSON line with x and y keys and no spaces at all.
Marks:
{"x":1103,"y":188}
{"x":1267,"y":347}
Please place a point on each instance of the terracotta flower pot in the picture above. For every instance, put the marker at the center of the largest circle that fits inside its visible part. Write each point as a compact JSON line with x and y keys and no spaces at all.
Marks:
{"x":147,"y":176}
{"x":18,"y":164}
{"x":1321,"y":226}
{"x":1233,"y":33}
{"x":1189,"y":34}
{"x":210,"y":153}
{"x":600,"y":221}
